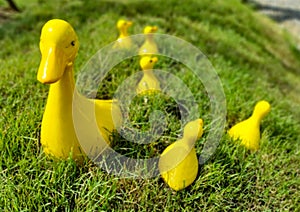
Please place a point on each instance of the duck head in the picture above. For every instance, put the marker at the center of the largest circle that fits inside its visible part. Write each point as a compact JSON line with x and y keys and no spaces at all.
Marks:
{"x":59,"y":46}
{"x":261,"y":109}
{"x":123,"y":25}
{"x":193,"y":128}
{"x":148,"y":62}
{"x":150,"y":29}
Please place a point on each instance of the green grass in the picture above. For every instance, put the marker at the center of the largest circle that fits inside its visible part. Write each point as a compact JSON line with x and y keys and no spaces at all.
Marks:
{"x":254,"y":59}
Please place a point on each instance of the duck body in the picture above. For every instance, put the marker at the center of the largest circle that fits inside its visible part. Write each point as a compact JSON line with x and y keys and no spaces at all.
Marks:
{"x":149,"y":82}
{"x":248,"y":131}
{"x":178,"y":163}
{"x":123,"y":40}
{"x":59,"y":137}
{"x":149,"y":47}
{"x":185,"y":171}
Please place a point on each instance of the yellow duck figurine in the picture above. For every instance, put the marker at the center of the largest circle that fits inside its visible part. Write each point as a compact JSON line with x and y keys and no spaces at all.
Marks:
{"x":149,"y":82}
{"x":178,"y":164}
{"x":59,"y":46}
{"x":149,"y":46}
{"x":248,"y":130}
{"x":123,"y":40}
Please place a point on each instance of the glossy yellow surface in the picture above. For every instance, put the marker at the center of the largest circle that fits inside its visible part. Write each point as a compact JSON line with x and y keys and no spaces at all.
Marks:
{"x":178,"y":164}
{"x":123,"y":40}
{"x":149,"y":46}
{"x":149,"y":82}
{"x":248,"y":131}
{"x":59,"y":46}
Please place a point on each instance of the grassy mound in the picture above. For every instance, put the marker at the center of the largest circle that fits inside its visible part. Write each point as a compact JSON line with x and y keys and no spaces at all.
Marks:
{"x":254,"y":59}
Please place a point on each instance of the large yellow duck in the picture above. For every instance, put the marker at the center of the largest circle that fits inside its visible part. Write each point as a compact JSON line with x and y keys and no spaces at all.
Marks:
{"x":178,"y":164}
{"x":248,"y":130}
{"x":149,"y":46}
{"x":149,"y":82}
{"x":59,"y":46}
{"x":123,"y":40}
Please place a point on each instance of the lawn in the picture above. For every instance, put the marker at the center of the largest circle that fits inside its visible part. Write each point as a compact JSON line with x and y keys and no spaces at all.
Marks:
{"x":254,"y":59}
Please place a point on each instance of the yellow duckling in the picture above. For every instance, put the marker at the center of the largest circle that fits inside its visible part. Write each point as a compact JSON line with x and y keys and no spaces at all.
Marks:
{"x":178,"y":164}
{"x":123,"y":40}
{"x":149,"y":82}
{"x":59,"y":46}
{"x":149,"y":46}
{"x":248,"y":131}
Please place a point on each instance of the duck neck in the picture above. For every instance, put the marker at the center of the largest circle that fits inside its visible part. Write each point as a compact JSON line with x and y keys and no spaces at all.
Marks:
{"x":190,"y":140}
{"x":123,"y":32}
{"x":149,"y":38}
{"x":258,"y":115}
{"x":148,"y":73}
{"x":61,"y":92}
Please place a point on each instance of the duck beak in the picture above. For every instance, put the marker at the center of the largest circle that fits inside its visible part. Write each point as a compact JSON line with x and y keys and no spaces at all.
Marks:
{"x":154,"y":29}
{"x":129,"y":23}
{"x":52,"y":65}
{"x":154,"y":59}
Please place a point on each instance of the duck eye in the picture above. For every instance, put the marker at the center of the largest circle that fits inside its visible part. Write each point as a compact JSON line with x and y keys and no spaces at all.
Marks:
{"x":150,"y":61}
{"x":73,"y":43}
